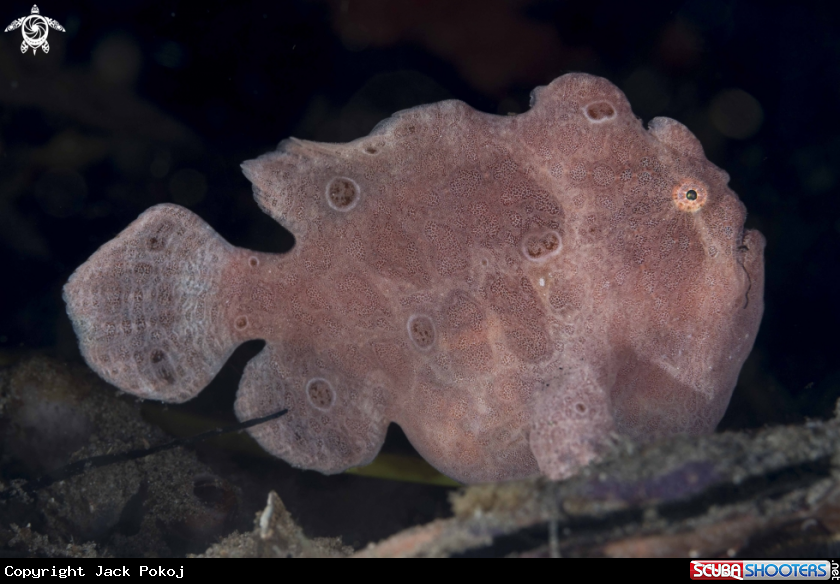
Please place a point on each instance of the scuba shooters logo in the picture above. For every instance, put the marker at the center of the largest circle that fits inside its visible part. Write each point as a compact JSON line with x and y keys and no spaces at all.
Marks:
{"x":717,"y":570}
{"x":764,"y":570}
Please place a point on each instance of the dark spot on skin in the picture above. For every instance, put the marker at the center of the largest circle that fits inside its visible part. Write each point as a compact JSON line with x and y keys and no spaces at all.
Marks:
{"x":157,"y":356}
{"x":421,"y":330}
{"x":581,"y":408}
{"x":538,"y":247}
{"x":371,"y":149}
{"x":167,"y":375}
{"x":156,"y":243}
{"x":241,"y":322}
{"x":320,"y":393}
{"x":600,"y":110}
{"x":342,"y":194}
{"x":253,"y":262}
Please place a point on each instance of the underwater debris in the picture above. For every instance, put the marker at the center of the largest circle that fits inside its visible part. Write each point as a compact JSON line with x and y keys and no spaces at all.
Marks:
{"x":276,"y":535}
{"x":163,"y":504}
{"x":768,"y":493}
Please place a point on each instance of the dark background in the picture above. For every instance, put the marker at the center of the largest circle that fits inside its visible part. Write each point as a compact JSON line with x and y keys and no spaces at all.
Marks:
{"x":143,"y":102}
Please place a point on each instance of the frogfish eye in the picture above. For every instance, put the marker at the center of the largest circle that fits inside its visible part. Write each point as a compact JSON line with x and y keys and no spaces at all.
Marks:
{"x":690,"y":196}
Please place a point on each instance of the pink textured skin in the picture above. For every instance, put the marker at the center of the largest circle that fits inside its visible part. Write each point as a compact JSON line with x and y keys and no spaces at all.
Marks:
{"x":512,"y":291}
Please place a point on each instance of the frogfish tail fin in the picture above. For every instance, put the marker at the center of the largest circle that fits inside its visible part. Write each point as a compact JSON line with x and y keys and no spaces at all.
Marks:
{"x":146,"y":306}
